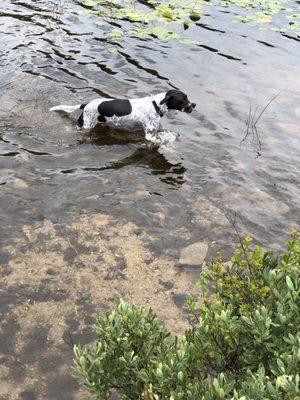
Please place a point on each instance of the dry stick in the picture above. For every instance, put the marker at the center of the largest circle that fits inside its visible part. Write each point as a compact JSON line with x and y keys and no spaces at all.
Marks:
{"x":194,"y":315}
{"x":252,"y":122}
{"x":69,"y":341}
{"x":258,"y":118}
{"x":228,"y":361}
{"x":264,"y":109}
{"x":254,"y":131}
{"x":249,"y":123}
{"x":232,"y":221}
{"x":259,"y":142}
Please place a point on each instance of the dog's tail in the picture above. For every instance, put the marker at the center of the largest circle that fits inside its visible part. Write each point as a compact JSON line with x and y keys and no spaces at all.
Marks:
{"x":68,"y":109}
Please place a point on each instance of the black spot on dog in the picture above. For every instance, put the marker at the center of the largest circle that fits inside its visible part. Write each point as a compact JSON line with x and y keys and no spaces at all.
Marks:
{"x":115,"y":107}
{"x":82,"y":106}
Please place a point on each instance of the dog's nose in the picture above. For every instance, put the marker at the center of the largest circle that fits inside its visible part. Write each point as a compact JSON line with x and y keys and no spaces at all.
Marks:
{"x":191,"y":107}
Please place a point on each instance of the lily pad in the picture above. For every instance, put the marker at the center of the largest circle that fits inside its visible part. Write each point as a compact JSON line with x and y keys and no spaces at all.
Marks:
{"x":194,"y":16}
{"x":175,"y":14}
{"x":169,"y":19}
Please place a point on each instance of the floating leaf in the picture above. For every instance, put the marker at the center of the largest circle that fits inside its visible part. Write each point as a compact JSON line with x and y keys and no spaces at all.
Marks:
{"x":194,"y":16}
{"x":116,"y":34}
{"x":91,"y":3}
{"x":168,"y":14}
{"x":264,"y":19}
{"x":189,"y":41}
{"x":184,"y":13}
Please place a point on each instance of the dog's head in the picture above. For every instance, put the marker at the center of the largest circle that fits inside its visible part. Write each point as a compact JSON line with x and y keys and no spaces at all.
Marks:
{"x":177,"y":100}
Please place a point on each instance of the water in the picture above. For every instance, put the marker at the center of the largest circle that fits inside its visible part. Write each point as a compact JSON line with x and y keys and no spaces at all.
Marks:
{"x":90,"y":218}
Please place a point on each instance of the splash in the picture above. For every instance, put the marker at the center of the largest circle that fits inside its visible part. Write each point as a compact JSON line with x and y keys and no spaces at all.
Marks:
{"x":163,"y":138}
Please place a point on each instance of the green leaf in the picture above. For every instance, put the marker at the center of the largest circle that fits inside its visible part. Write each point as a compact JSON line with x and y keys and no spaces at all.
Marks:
{"x":289,"y":283}
{"x":194,"y":16}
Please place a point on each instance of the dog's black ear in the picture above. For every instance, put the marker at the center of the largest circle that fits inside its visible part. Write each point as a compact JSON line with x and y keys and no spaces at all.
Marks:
{"x":168,"y":96}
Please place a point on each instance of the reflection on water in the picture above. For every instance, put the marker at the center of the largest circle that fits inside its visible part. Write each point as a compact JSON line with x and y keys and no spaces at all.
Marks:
{"x":144,"y":155}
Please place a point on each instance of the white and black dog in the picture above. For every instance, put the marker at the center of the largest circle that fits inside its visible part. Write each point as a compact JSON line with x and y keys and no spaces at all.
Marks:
{"x":134,"y":114}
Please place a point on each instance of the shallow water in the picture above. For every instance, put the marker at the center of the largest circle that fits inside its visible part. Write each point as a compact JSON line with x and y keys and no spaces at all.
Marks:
{"x":54,"y":175}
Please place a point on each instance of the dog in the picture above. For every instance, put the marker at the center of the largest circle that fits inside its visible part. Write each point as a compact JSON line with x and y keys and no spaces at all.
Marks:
{"x":131,"y":115}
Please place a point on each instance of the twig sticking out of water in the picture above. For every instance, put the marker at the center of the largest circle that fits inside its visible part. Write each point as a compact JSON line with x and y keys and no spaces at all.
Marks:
{"x":232,"y":219}
{"x":251,"y":124}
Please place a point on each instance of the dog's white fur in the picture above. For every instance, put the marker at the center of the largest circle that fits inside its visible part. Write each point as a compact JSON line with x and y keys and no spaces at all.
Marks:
{"x":143,"y":116}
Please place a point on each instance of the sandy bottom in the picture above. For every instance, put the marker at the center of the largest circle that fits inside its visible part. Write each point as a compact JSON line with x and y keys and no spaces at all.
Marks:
{"x":57,"y":279}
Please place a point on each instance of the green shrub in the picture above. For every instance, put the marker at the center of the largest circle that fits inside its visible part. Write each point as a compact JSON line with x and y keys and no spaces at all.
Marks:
{"x":243,"y":344}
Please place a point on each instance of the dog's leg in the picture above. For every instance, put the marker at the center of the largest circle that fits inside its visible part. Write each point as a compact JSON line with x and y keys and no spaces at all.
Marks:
{"x":151,"y":136}
{"x":151,"y":126}
{"x":80,"y":120}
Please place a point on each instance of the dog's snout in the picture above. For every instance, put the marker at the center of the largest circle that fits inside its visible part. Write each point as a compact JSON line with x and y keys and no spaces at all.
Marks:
{"x":191,"y":107}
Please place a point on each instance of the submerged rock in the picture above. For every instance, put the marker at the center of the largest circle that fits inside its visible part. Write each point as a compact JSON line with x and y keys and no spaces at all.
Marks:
{"x":193,"y":254}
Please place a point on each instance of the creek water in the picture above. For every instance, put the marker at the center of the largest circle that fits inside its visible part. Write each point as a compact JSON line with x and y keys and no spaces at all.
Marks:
{"x":174,"y":195}
{"x":235,"y":67}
